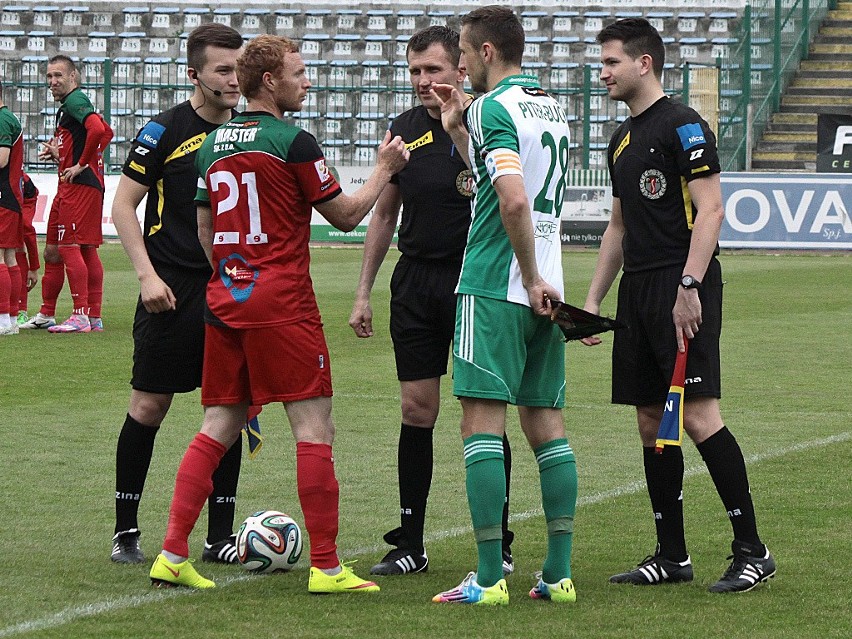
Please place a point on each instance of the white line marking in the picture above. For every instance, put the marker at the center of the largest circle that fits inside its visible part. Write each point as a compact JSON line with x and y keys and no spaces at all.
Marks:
{"x":73,"y":613}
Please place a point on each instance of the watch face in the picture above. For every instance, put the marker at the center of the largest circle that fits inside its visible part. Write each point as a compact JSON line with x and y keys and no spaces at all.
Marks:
{"x":688,"y":281}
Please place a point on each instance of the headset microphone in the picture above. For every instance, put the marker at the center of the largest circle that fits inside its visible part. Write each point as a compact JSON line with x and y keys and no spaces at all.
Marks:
{"x":215,"y":92}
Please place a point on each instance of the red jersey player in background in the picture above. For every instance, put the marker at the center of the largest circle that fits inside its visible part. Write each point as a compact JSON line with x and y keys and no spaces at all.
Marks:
{"x":74,"y":225}
{"x":11,"y":199}
{"x":27,"y":254}
{"x":264,"y":341}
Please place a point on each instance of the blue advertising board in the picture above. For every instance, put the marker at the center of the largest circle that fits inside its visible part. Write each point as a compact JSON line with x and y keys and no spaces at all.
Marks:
{"x":786,"y":211}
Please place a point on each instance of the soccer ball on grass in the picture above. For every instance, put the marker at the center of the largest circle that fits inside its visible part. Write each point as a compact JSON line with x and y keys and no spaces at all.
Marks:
{"x":269,"y":541}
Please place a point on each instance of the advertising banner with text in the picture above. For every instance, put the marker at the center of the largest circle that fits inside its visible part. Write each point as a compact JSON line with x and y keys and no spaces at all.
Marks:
{"x":762,"y":210}
{"x":791,"y":210}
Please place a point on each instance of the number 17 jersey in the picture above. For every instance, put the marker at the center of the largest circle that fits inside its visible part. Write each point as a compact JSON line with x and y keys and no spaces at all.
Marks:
{"x":261,"y":177}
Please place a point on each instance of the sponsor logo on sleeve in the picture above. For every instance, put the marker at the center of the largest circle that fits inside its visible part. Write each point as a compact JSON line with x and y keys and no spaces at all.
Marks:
{"x":150,"y":134}
{"x":323,"y":173}
{"x":690,"y":135}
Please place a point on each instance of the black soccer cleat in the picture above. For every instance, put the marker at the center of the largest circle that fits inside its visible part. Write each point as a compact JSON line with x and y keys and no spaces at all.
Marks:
{"x":401,"y":561}
{"x":125,"y":547}
{"x":508,"y":562}
{"x":750,"y":567}
{"x":654,"y":570}
{"x":222,"y":552}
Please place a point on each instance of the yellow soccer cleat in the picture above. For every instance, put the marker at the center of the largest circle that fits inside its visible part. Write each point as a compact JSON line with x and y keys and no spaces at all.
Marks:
{"x":470,"y":592}
{"x":165,"y":574}
{"x":560,"y":592}
{"x":320,"y":583}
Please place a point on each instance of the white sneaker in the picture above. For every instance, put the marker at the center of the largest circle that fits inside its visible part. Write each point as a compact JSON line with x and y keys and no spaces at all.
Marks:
{"x":12,"y":329}
{"x":39,"y":321}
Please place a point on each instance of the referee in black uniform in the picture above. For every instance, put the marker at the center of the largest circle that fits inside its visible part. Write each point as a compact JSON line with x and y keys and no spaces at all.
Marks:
{"x":434,"y":191}
{"x":168,"y":330}
{"x":664,"y":231}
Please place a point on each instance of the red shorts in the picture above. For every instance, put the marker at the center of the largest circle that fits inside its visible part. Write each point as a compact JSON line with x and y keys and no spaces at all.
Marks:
{"x":11,"y":229}
{"x":284,"y":363}
{"x":75,"y":216}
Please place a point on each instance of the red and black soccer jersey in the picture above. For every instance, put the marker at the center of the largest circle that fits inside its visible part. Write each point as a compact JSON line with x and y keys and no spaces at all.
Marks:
{"x":261,"y":178}
{"x":436,"y":189}
{"x":11,"y":175}
{"x":652,"y":157}
{"x":163,"y":159}
{"x":72,"y":137}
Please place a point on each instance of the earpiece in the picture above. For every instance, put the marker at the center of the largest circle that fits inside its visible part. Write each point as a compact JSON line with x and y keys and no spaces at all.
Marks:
{"x":193,"y":75}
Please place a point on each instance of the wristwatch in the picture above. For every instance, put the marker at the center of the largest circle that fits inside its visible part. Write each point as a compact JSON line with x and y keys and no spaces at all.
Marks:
{"x":687,"y":281}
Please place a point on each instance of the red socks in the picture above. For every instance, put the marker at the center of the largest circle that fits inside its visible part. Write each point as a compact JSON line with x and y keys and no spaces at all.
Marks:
{"x":5,"y":289}
{"x":95,"y":270}
{"x":319,"y":495}
{"x":78,"y":278}
{"x":23,"y":265}
{"x":193,"y":486}
{"x":14,"y":297}
{"x":51,"y":286}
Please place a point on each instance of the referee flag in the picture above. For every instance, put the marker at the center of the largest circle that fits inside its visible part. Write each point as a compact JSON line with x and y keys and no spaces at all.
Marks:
{"x":252,"y":430}
{"x":671,"y":425}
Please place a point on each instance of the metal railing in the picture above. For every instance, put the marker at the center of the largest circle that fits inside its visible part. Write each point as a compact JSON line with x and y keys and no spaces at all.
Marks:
{"x":756,"y":68}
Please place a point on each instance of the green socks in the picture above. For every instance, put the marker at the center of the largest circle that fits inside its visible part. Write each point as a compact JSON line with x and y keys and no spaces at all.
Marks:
{"x":486,"y":492}
{"x":558,"y":473}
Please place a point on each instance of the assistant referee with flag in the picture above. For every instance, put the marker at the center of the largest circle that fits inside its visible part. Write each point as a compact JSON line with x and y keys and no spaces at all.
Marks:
{"x":664,"y":231}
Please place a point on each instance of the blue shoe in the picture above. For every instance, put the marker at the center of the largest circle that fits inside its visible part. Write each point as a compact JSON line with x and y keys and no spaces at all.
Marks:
{"x":470,"y":592}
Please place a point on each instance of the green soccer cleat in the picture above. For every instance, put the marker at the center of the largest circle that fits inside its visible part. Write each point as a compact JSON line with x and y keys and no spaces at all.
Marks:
{"x":470,"y":592}
{"x":320,"y":583}
{"x":23,"y":318}
{"x":165,"y":574}
{"x":560,"y":592}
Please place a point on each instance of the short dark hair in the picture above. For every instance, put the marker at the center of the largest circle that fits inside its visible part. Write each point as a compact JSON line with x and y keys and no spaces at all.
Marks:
{"x":211,"y":34}
{"x":425,"y":38}
{"x":638,"y":37}
{"x":498,"y":25}
{"x":65,"y":59}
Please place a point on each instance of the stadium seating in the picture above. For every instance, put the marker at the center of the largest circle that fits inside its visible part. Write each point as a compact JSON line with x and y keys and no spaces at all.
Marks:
{"x":355,"y":55}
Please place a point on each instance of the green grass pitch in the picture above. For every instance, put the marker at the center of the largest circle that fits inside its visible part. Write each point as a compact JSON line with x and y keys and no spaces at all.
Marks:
{"x":787,"y":348}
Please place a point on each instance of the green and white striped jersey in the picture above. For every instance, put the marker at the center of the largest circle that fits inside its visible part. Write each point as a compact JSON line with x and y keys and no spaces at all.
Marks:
{"x":515,"y":129}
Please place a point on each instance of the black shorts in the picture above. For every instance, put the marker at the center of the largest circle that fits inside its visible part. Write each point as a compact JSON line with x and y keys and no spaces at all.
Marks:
{"x":422,"y":316}
{"x":643,"y":354}
{"x":168,"y":347}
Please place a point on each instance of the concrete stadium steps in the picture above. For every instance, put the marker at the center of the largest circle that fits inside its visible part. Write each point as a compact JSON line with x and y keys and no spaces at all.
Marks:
{"x":812,"y":103}
{"x":791,"y":137}
{"x":834,"y":67}
{"x":822,"y":84}
{"x":828,"y":51}
{"x":783,"y":161}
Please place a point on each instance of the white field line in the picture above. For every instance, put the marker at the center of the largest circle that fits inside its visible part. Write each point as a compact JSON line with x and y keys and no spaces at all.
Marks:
{"x":68,"y":615}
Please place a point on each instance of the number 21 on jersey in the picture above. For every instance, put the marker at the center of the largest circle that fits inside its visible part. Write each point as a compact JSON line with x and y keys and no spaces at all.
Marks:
{"x":243,"y":203}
